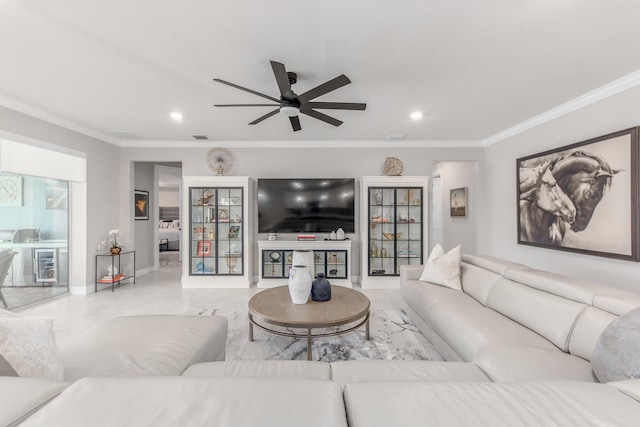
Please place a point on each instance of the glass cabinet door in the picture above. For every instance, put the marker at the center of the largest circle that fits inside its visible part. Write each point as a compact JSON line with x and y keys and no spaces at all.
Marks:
{"x":216,"y":231}
{"x":395,"y":229}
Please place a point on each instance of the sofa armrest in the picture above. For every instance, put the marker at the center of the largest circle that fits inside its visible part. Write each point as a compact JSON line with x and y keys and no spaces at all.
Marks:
{"x":410,"y":272}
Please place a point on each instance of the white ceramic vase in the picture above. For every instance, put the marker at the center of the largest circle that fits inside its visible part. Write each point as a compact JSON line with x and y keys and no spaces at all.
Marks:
{"x":299,"y":284}
{"x":340,"y":234}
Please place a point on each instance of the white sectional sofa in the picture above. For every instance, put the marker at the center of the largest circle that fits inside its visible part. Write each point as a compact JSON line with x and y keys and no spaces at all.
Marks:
{"x":518,"y":343}
{"x":516,"y":323}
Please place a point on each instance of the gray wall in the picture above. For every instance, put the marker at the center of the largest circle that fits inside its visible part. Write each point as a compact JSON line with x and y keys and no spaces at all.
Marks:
{"x":144,"y":229}
{"x":498,"y":235}
{"x":460,"y":230}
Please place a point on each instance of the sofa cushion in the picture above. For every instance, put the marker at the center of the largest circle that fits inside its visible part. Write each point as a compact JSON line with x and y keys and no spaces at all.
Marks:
{"x":549,"y":315}
{"x":514,"y":362}
{"x":493,"y":264}
{"x":443,"y":268}
{"x":468,"y":326}
{"x":349,"y":371}
{"x":146,"y":345}
{"x":20,"y":397}
{"x":418,"y":403}
{"x":616,"y":355}
{"x":629,"y":387}
{"x":191,"y":401}
{"x":587,"y":330}
{"x":261,"y":369}
{"x":477,"y":281}
{"x":28,"y":346}
{"x":420,"y":296}
{"x":619,"y":303}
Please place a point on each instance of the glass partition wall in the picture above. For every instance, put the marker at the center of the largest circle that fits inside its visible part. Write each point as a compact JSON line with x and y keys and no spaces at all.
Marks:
{"x":34,"y":237}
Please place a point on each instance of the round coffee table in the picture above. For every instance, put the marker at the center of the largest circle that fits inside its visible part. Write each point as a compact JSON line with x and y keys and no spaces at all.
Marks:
{"x":274,"y":307}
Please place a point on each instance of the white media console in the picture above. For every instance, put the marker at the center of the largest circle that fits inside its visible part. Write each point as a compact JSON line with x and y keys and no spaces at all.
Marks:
{"x":332,"y":257}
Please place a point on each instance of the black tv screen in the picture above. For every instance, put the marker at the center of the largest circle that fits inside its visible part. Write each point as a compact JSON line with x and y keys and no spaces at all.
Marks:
{"x":306,"y":205}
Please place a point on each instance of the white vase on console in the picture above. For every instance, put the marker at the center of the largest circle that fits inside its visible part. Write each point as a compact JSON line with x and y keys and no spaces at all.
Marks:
{"x":340,"y":234}
{"x":299,"y":284}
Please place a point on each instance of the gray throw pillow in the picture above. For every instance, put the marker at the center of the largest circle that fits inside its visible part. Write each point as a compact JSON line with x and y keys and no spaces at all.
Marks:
{"x":616,"y":355}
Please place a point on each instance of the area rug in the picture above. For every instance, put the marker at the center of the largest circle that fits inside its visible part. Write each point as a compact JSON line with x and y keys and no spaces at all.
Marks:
{"x":393,"y":337}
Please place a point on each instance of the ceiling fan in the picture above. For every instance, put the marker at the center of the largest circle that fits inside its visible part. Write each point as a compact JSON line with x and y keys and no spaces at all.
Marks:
{"x":292,"y":104}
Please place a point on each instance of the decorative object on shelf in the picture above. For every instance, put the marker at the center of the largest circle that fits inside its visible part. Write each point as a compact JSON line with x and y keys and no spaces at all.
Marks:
{"x":377,"y":272}
{"x":333,"y":235}
{"x":205,"y":199}
{"x":458,"y":201}
{"x":321,"y":289}
{"x":111,"y":241}
{"x":391,"y":236}
{"x":212,"y":233}
{"x":272,"y":236}
{"x":220,"y":160}
{"x":340,"y":234}
{"x":112,"y":270}
{"x":383,"y":252}
{"x":140,"y":205}
{"x":403,"y":216}
{"x":374,"y":250}
{"x":234,"y":231}
{"x":204,"y":248}
{"x":392,"y":166}
{"x":223,"y":215}
{"x":275,"y":256}
{"x":290,"y":258}
{"x":333,"y":272}
{"x":299,"y":284}
{"x":232,"y":261}
{"x":378,"y":196}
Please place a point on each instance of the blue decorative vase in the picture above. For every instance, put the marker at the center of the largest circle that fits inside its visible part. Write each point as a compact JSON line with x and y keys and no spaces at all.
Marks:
{"x":321,"y":289}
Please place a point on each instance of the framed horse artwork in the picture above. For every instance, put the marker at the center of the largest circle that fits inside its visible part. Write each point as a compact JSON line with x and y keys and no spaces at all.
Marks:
{"x":582,"y":197}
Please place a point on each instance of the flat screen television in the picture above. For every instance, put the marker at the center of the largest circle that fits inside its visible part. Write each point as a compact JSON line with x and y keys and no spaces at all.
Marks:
{"x":306,"y":205}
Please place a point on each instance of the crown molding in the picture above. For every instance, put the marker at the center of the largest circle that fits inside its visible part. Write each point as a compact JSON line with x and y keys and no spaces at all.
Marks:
{"x":612,"y":88}
{"x":29,"y":110}
{"x":303,"y":144}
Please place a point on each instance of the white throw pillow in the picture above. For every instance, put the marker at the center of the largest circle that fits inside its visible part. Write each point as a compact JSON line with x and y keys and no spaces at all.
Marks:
{"x":28,"y":345}
{"x":443,"y":268}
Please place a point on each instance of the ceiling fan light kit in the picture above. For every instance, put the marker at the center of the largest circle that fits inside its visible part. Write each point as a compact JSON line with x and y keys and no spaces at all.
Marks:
{"x":291,"y":104}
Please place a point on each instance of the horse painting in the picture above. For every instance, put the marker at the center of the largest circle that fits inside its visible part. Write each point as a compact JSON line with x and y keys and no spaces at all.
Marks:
{"x":543,"y":205}
{"x":560,"y":192}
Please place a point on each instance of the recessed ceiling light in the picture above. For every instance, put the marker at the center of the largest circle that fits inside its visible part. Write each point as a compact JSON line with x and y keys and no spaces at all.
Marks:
{"x":416,"y":115}
{"x":176,"y":115}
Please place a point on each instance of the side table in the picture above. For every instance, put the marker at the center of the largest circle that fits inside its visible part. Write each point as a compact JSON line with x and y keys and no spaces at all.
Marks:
{"x":115,"y":262}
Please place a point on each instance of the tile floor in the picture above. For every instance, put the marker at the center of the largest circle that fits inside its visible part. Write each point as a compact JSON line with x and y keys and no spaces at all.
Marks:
{"x":159,"y":292}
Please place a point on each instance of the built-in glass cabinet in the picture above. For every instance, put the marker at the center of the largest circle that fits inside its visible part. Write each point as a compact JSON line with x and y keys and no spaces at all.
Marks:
{"x":395,"y":220}
{"x":217,"y":233}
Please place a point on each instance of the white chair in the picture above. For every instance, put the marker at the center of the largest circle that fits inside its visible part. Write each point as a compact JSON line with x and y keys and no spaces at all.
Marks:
{"x":6,"y":257}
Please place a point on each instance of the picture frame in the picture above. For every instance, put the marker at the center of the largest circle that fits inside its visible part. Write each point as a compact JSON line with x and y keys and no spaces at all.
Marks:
{"x":458,"y":202}
{"x":204,"y":248}
{"x":11,"y":190}
{"x":234,"y":231}
{"x":582,"y":197}
{"x":140,"y":205}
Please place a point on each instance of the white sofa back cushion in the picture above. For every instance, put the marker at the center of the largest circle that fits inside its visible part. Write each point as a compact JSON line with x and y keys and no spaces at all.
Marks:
{"x":587,"y":330}
{"x":549,"y":315}
{"x":477,"y":281}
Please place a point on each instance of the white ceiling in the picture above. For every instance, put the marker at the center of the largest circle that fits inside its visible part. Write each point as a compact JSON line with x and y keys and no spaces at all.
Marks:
{"x":116,"y":69}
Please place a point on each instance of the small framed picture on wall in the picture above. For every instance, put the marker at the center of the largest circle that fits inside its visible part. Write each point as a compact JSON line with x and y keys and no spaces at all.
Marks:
{"x":141,"y":205}
{"x":458,"y":201}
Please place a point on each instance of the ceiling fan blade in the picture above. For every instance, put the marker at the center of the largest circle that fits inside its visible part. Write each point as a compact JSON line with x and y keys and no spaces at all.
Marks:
{"x":321,"y":116}
{"x":247,"y":90}
{"x":295,"y":123}
{"x":266,"y":116}
{"x":325,"y":87}
{"x":246,"y":105}
{"x":337,"y":105}
{"x":282,"y":79}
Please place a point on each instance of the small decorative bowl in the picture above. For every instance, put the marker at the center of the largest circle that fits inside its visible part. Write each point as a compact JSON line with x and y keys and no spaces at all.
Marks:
{"x":391,"y":236}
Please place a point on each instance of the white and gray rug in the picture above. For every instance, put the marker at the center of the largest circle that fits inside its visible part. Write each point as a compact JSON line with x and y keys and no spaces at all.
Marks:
{"x":393,"y":336}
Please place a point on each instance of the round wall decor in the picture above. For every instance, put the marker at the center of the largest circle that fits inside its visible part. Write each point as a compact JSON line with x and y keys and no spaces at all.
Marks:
{"x":220,"y":160}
